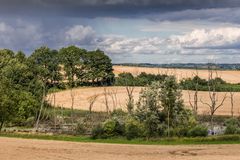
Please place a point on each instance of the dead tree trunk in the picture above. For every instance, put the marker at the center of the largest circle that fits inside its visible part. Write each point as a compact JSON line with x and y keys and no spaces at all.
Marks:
{"x":213,"y":96}
{"x":41,"y":107}
{"x":232,"y":103}
{"x":130,"y":100}
{"x":106,"y":94}
{"x":91,"y":101}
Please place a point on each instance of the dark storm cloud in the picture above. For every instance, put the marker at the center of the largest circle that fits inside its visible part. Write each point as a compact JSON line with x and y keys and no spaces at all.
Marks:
{"x":99,"y":8}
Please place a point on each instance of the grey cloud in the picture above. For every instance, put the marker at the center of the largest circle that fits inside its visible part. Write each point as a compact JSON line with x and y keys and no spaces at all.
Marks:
{"x":100,"y":8}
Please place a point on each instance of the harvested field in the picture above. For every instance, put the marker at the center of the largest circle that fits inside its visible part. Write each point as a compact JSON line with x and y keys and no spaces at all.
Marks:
{"x":231,"y":76}
{"x":117,"y":97}
{"x":27,"y":149}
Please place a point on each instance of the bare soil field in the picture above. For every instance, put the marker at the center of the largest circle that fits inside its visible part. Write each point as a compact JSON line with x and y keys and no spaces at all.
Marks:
{"x":27,"y":149}
{"x":116,"y":97}
{"x":231,"y":76}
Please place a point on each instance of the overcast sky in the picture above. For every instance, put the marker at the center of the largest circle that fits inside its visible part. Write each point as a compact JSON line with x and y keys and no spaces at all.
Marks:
{"x":137,"y":31}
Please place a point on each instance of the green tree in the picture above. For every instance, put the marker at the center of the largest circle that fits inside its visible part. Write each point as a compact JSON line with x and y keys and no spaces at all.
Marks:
{"x":72,"y":60}
{"x":98,"y":67}
{"x":149,"y":110}
{"x":171,"y":100}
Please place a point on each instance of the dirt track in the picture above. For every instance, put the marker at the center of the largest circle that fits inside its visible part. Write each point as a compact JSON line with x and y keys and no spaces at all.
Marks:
{"x":23,"y":149}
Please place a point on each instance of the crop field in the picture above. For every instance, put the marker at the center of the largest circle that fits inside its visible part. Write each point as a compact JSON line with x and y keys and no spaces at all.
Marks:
{"x":231,"y":76}
{"x":116,"y":97}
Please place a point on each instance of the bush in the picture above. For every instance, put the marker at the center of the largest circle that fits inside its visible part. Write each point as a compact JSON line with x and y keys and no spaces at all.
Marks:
{"x":133,"y":129}
{"x":30,"y":122}
{"x":171,"y":132}
{"x":97,"y":132}
{"x":232,"y":126}
{"x":81,"y":128}
{"x":112,"y":127}
{"x":118,"y":113}
{"x":198,"y":131}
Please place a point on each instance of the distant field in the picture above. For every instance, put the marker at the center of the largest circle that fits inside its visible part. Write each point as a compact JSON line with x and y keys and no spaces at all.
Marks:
{"x":117,"y":99}
{"x":230,"y":76}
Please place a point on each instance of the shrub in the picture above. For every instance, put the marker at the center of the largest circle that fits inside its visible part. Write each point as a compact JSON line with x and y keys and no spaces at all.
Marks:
{"x":30,"y":122}
{"x":171,"y":132}
{"x":118,"y":113}
{"x":112,"y":128}
{"x":198,"y":131}
{"x":232,"y":126}
{"x":80,"y":128}
{"x":133,"y":129}
{"x":97,"y":132}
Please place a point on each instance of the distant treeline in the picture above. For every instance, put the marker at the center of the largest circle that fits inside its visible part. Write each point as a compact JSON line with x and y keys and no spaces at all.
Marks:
{"x":235,"y":66}
{"x":144,"y":79}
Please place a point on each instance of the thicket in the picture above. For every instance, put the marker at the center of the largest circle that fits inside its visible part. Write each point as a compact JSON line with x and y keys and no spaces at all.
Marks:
{"x":160,"y":113}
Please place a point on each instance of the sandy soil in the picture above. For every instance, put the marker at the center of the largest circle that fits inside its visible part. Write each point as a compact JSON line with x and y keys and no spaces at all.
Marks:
{"x":26,"y":149}
{"x":229,"y":76}
{"x":117,"y":98}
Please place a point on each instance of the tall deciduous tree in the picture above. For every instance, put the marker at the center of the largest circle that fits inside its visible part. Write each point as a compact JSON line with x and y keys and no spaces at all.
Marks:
{"x":72,"y":61}
{"x":98,"y":67}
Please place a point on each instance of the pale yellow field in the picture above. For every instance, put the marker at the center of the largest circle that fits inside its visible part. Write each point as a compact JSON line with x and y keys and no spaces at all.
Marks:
{"x":117,"y":98}
{"x":229,"y":76}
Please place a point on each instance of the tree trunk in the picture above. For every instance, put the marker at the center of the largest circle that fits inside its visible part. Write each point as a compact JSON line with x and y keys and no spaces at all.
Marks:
{"x":1,"y":126}
{"x":41,"y":107}
{"x":212,"y":125}
{"x":72,"y":101}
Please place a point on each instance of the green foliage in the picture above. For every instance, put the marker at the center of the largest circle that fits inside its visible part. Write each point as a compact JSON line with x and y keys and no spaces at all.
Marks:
{"x":19,"y":89}
{"x":171,"y":101}
{"x":202,"y":84}
{"x":112,"y":127}
{"x":133,"y":128}
{"x":232,"y":126}
{"x":198,"y":131}
{"x":97,"y":132}
{"x":98,"y":68}
{"x":149,"y":109}
{"x":80,"y":129}
{"x":143,"y":79}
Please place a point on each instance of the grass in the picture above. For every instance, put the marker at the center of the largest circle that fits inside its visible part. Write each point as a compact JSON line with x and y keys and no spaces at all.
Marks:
{"x":224,"y":139}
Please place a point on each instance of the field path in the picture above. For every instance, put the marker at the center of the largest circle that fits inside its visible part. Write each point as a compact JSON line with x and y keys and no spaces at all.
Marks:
{"x":27,"y":149}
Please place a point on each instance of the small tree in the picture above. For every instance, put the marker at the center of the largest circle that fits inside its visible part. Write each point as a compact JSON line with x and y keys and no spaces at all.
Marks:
{"x":171,"y":101}
{"x":91,"y":101}
{"x":149,"y":109}
{"x":213,"y":95}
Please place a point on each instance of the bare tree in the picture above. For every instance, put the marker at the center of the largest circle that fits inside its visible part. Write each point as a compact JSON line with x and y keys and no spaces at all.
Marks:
{"x":130,"y":99}
{"x":113,"y":95}
{"x":194,"y":104}
{"x":91,"y":101}
{"x":232,"y":102}
{"x":106,"y":94}
{"x":213,"y":95}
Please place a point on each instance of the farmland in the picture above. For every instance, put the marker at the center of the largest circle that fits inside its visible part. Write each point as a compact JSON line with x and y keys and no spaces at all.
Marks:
{"x":230,"y":76}
{"x":117,"y":98}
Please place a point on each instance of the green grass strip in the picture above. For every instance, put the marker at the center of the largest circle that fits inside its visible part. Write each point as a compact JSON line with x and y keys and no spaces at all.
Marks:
{"x":224,"y":139}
